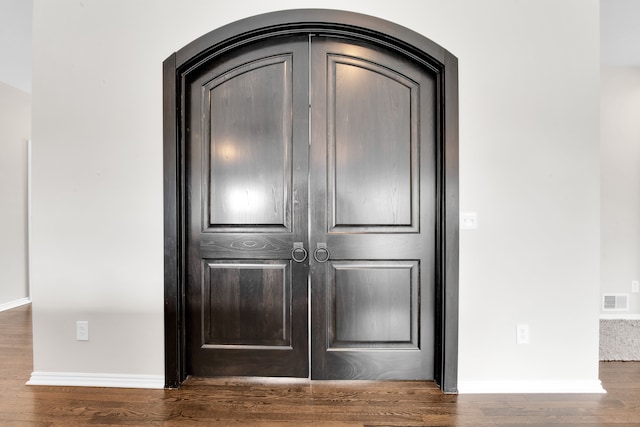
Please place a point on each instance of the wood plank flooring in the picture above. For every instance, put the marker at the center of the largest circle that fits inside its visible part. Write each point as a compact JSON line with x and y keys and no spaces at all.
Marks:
{"x":236,"y":402}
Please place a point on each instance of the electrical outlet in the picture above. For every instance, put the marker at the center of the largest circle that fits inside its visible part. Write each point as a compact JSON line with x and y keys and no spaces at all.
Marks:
{"x":82,"y":330}
{"x":522,"y":333}
{"x":635,"y":286}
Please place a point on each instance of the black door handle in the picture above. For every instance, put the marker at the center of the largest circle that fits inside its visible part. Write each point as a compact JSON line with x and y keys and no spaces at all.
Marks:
{"x":298,"y":253}
{"x":321,"y":254}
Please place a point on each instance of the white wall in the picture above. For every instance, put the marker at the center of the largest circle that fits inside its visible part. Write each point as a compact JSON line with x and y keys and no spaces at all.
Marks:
{"x":529,"y":77}
{"x":620,"y":169}
{"x":620,"y":32}
{"x":15,"y":131}
{"x":15,"y":43}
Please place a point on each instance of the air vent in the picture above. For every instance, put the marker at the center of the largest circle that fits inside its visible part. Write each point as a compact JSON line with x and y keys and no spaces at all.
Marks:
{"x":615,"y":302}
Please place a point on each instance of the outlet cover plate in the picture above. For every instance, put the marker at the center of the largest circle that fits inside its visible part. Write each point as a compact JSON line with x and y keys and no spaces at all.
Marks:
{"x":468,"y":220}
{"x":82,"y":330}
{"x":522,"y":333}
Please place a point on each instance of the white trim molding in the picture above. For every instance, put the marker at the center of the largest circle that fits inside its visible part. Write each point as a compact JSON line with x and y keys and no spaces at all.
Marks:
{"x":29,"y":212}
{"x":620,"y":317}
{"x":79,"y":379}
{"x":13,"y":304}
{"x":488,"y":387}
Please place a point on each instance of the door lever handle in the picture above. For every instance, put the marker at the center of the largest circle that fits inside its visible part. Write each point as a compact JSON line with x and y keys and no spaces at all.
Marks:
{"x":321,"y":254}
{"x":298,"y":253}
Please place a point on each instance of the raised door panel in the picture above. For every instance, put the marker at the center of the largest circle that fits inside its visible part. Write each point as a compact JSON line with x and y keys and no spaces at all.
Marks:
{"x":248,"y":129}
{"x":375,"y":305}
{"x":372,"y":144}
{"x":246,"y":304}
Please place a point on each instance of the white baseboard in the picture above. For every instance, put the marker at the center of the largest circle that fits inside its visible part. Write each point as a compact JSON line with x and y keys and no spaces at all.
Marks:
{"x":620,"y":316}
{"x":14,"y":304}
{"x":75,"y":379}
{"x":489,"y":387}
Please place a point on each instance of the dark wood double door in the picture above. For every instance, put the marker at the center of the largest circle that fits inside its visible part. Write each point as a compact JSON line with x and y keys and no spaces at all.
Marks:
{"x":311,"y":212}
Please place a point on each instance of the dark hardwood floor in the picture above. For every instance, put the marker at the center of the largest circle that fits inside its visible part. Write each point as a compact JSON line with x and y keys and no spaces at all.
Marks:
{"x":233,"y":402}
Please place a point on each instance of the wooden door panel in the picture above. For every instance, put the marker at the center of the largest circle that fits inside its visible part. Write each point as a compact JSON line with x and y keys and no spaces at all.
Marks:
{"x":373,"y":207}
{"x":247,"y":304}
{"x":380,"y":364}
{"x":372,"y":114}
{"x":247,"y":137}
{"x":375,"y":304}
{"x":245,"y":245}
{"x":248,"y":126}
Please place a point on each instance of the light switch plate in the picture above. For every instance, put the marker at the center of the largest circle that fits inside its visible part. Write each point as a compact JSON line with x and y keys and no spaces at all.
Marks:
{"x":82,"y":330}
{"x":468,"y":220}
{"x":522,"y":333}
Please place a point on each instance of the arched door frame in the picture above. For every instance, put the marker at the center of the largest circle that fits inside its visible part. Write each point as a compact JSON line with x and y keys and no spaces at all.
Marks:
{"x":326,"y":22}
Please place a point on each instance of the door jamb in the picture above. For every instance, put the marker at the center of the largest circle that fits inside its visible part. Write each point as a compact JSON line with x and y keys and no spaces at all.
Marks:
{"x":327,"y":22}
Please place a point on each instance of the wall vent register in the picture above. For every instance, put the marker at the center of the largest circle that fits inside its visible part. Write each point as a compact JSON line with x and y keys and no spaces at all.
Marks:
{"x":615,"y":302}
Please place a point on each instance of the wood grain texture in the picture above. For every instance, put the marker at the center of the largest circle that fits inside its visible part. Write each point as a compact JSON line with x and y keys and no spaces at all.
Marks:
{"x":372,"y":111}
{"x":248,"y":143}
{"x":373,"y":137}
{"x":172,"y":232}
{"x":247,"y":303}
{"x":246,"y":161}
{"x":286,"y":402}
{"x":376,"y":304}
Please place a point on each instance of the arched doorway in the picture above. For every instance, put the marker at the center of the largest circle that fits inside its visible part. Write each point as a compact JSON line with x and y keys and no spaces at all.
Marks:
{"x":311,"y":212}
